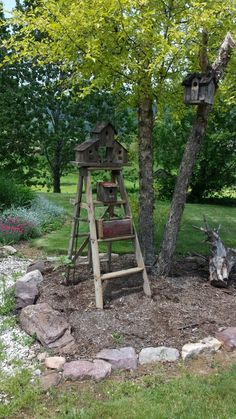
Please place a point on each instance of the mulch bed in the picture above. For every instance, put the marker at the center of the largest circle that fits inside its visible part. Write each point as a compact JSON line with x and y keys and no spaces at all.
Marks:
{"x":184,"y":307}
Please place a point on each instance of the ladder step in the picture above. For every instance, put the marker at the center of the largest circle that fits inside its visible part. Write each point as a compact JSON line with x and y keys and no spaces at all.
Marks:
{"x":82,"y":235}
{"x":112,"y":239}
{"x":81,"y":219}
{"x":117,"y":274}
{"x":107,"y":204}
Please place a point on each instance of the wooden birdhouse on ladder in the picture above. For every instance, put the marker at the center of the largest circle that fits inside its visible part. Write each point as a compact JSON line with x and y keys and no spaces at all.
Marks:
{"x":106,"y":217}
{"x":102,"y":149}
{"x":199,"y":88}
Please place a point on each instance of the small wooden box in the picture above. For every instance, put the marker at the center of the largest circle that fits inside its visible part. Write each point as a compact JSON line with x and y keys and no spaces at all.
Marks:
{"x":199,"y":88}
{"x":114,"y":228}
{"x":107,"y":192}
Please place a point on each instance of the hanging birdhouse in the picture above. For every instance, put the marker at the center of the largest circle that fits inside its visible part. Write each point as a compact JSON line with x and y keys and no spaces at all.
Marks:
{"x":199,"y":88}
{"x":102,"y":149}
{"x":107,"y":192}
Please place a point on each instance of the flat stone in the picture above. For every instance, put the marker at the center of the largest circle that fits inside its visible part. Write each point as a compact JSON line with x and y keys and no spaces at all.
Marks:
{"x":8,"y":250}
{"x":38,"y":265}
{"x":125,"y":358}
{"x":65,"y":345}
{"x":32,"y":277}
{"x":42,"y":356}
{"x":25,"y":293}
{"x":54,"y":362}
{"x":206,"y":345}
{"x":158,"y":354}
{"x":228,"y":338}
{"x":50,"y":326}
{"x":97,"y":370}
{"x":50,"y":380}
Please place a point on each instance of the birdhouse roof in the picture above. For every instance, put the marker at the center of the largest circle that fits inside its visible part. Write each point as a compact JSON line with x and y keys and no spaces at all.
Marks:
{"x":203,"y":78}
{"x":101,"y":126}
{"x":85,"y":145}
{"x":108,"y":184}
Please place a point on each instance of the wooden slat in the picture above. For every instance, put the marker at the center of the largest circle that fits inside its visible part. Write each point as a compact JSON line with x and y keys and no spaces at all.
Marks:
{"x":80,"y":250}
{"x":112,"y":239}
{"x":94,"y":244}
{"x":107,"y":204}
{"x":118,"y":274}
{"x":74,"y":228}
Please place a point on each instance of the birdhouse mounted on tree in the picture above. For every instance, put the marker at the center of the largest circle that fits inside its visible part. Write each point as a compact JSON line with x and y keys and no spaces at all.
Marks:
{"x":101,"y":149}
{"x":199,"y":88}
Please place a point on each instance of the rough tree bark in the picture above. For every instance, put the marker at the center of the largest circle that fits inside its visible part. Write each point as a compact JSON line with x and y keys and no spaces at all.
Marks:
{"x":146,"y":194}
{"x":189,"y":158}
{"x":56,"y":179}
{"x":222,"y":258}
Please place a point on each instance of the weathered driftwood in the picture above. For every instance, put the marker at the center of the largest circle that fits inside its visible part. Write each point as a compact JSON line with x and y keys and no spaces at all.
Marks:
{"x":222,"y":258}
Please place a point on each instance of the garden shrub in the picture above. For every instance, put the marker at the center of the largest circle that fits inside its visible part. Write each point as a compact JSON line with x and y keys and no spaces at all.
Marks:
{"x":24,"y":223}
{"x":12,"y":193}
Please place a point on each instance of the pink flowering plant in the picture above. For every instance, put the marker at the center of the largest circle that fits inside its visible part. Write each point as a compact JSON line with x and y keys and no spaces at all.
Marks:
{"x":13,"y":229}
{"x":25,"y":223}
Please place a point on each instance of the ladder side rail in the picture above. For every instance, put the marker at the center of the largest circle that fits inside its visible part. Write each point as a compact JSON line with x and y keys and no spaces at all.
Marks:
{"x":75,"y":222}
{"x":94,"y":243}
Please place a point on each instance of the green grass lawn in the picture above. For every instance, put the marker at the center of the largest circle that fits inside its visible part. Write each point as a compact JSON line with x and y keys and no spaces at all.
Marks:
{"x":151,"y":396}
{"x":189,"y":240}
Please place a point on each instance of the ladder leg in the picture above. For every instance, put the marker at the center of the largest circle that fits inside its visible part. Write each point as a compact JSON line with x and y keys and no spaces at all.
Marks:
{"x":94,"y":244}
{"x":109,"y":250}
{"x":75,"y":222}
{"x":140,"y":263}
{"x":90,"y":262}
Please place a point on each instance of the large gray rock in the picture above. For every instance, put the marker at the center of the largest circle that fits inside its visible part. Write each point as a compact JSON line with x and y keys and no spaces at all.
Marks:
{"x":97,"y":370}
{"x":228,"y":338}
{"x":32,"y":277}
{"x":50,"y":326}
{"x":65,"y":345}
{"x":25,"y":293}
{"x":160,"y":353}
{"x":125,"y":358}
{"x":38,"y":265}
{"x":206,"y":345}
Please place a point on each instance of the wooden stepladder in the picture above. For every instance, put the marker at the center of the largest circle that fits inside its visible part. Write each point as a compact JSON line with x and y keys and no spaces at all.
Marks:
{"x":92,"y":238}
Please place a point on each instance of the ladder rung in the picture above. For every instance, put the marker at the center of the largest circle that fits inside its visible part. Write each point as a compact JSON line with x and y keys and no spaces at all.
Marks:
{"x":124,"y":272}
{"x":112,"y":239}
{"x":82,"y":235}
{"x":81,"y":219}
{"x":120,"y":202}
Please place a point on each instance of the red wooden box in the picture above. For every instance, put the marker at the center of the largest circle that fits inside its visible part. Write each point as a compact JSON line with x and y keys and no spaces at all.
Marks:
{"x":107,"y":229}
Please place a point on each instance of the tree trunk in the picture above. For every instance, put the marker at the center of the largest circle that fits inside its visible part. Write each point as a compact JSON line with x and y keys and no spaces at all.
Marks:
{"x":188,"y":162}
{"x":56,"y":180}
{"x":146,"y":194}
{"x":181,"y":189}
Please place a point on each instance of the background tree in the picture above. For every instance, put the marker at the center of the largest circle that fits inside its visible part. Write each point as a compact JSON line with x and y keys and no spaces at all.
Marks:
{"x":139,"y":46}
{"x":191,"y":152}
{"x":216,"y":164}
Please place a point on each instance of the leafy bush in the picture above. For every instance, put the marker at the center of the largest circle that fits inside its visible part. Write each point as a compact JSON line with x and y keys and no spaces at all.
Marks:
{"x":48,"y":214}
{"x":12,"y":193}
{"x":24,"y":223}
